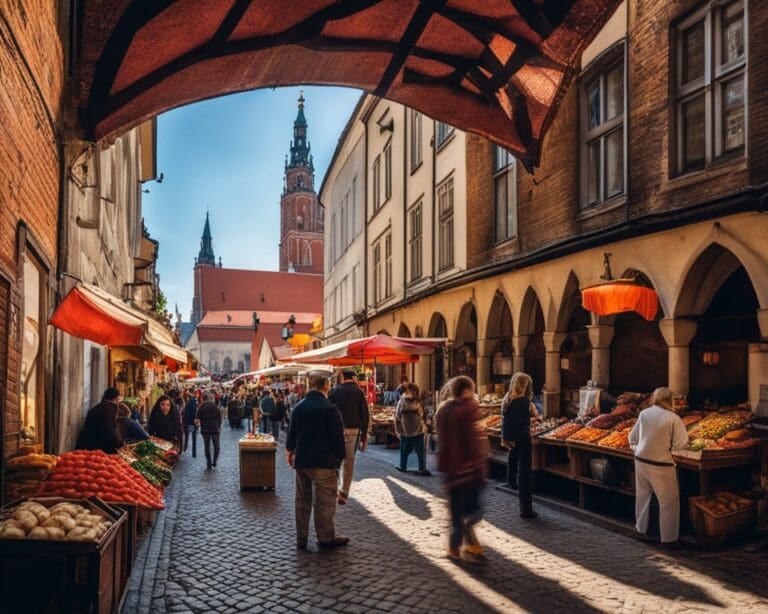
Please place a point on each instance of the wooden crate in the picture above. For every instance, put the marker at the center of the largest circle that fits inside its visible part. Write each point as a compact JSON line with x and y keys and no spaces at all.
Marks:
{"x":131,"y":536}
{"x":716,"y":529}
{"x":257,"y":467}
{"x":65,"y":576}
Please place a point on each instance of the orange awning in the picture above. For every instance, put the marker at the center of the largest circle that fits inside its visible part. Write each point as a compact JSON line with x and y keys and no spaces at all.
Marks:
{"x":620,"y":296}
{"x":91,"y":313}
{"x":379,"y":349}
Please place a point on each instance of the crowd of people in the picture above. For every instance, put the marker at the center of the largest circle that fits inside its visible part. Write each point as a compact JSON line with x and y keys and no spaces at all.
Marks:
{"x":328,"y":426}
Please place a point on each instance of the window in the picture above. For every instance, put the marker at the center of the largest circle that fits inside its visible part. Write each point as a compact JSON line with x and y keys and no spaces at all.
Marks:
{"x":343,"y":299}
{"x":416,"y":241}
{"x":415,"y":139}
{"x":354,"y":208}
{"x":376,"y":183}
{"x":378,"y":293}
{"x":387,"y":171}
{"x":306,"y":256}
{"x":227,"y":364}
{"x":505,"y":193}
{"x":32,"y":389}
{"x":443,"y":132}
{"x":388,"y":265}
{"x":344,"y":222}
{"x":602,"y":167}
{"x":333,"y":237}
{"x":710,"y":86}
{"x":355,"y":299}
{"x":445,"y":207}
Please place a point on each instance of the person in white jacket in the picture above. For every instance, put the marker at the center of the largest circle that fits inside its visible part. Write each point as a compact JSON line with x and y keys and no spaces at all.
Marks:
{"x":659,"y":431}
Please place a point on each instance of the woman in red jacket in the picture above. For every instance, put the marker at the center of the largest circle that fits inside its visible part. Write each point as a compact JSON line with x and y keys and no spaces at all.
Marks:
{"x":463,"y":461}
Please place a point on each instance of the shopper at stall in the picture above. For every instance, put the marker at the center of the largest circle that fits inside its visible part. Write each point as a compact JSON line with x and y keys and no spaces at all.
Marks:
{"x":658,"y":432}
{"x":127,"y":427}
{"x":165,"y":421}
{"x":350,"y":400}
{"x":281,"y":411}
{"x":267,"y":407}
{"x":190,"y":428}
{"x":100,"y":429}
{"x":315,"y":448}
{"x":463,"y":461}
{"x":517,"y":411}
{"x":208,"y":419}
{"x":411,"y":428}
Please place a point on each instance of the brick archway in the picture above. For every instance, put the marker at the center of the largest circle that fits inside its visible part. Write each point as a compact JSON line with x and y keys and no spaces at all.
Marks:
{"x":498,"y":69}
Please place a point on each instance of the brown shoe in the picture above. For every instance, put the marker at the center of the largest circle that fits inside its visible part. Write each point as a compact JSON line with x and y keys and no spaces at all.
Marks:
{"x":336,"y":542}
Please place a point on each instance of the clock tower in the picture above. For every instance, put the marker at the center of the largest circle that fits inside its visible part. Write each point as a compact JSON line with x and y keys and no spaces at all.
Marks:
{"x":301,"y":216}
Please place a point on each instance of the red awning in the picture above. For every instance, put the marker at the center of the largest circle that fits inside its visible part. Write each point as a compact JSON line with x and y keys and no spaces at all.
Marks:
{"x":381,"y":349}
{"x":91,"y":313}
{"x":498,"y":68}
{"x":620,"y":296}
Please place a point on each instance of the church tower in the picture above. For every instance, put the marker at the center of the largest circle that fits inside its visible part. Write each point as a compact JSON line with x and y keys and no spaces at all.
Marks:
{"x":301,"y":216}
{"x":205,"y":257}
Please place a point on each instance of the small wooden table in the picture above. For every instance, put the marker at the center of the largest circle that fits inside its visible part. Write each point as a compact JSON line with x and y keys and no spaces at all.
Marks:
{"x":257,"y":466}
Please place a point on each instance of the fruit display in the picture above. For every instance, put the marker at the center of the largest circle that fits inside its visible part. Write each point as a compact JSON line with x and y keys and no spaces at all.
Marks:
{"x":617,"y":439}
{"x":633,"y":401}
{"x":723,"y":503}
{"x":546,"y":424}
{"x":625,"y":426}
{"x":62,"y":521}
{"x":714,"y":425}
{"x":492,"y":422}
{"x":257,"y":440}
{"x":565,"y":431}
{"x":89,"y":473}
{"x":24,"y":473}
{"x":588,"y":435}
{"x":691,"y":419}
{"x":490,"y":399}
{"x":608,"y":421}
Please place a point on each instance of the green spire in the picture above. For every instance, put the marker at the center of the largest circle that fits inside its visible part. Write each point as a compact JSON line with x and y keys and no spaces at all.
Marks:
{"x":300,"y":155}
{"x":206,"y":255}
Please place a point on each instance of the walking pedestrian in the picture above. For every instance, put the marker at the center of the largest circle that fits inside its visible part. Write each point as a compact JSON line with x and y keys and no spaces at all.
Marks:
{"x":411,"y":428}
{"x":165,"y":421}
{"x":463,"y":460}
{"x":279,"y":416}
{"x":315,"y":449}
{"x":190,"y":428}
{"x":267,"y":407}
{"x":658,"y":432}
{"x":351,"y":403}
{"x":233,"y":414}
{"x":517,"y":411}
{"x":209,"y":420}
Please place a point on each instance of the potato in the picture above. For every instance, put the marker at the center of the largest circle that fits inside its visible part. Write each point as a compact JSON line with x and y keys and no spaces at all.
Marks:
{"x":55,"y":533}
{"x":39,"y":533}
{"x":64,"y":508}
{"x":81,"y":534}
{"x":60,"y":520}
{"x":27,"y":519}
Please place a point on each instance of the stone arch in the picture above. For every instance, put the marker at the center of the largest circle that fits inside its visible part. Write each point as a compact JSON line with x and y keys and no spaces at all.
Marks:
{"x":576,"y":349}
{"x":306,"y":255}
{"x":465,"y":342}
{"x":499,"y":330}
{"x":704,"y":277}
{"x":569,"y":301}
{"x":227,"y":364}
{"x":437,"y":326}
{"x":403,"y":330}
{"x":526,"y":321}
{"x":440,"y":360}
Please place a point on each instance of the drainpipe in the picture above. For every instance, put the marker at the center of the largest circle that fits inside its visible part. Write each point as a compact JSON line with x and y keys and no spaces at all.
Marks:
{"x":434,"y":216}
{"x":405,"y":202}
{"x":365,"y":230}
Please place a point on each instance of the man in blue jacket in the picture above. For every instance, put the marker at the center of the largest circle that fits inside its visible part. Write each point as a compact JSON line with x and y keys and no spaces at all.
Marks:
{"x":315,"y":449}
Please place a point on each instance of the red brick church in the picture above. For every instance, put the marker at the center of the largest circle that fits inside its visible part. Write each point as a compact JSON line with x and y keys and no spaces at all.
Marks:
{"x":239,"y":316}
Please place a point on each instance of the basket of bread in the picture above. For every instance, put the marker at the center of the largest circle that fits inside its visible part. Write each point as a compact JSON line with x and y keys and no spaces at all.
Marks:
{"x":720,"y":516}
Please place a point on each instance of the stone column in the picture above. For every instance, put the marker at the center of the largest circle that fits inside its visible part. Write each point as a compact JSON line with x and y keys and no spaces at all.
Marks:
{"x":762,"y":322}
{"x":757,"y":371}
{"x":678,"y":334}
{"x":483,"y":365}
{"x":421,"y":372}
{"x":600,"y":337}
{"x":552,"y":343}
{"x":519,"y":343}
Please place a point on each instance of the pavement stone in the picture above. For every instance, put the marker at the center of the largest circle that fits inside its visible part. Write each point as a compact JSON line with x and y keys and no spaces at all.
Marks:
{"x":218,"y":549}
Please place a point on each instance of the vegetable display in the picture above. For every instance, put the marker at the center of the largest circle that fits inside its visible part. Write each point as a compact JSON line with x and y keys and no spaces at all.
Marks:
{"x":153,"y":473}
{"x":588,"y":435}
{"x":63,"y":522}
{"x":24,"y":473}
{"x":88,"y":473}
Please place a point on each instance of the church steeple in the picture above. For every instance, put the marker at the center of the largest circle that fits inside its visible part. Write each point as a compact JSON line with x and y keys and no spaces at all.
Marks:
{"x":206,"y":255}
{"x":300,"y":154}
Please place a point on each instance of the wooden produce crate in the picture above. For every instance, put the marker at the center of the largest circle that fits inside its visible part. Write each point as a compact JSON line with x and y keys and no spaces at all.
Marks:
{"x":131,"y":537}
{"x":716,"y":529}
{"x":257,"y":466}
{"x":66,"y":576}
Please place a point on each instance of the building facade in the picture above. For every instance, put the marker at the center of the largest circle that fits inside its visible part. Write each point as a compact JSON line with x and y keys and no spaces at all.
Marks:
{"x":301,"y":216}
{"x":656,"y":160}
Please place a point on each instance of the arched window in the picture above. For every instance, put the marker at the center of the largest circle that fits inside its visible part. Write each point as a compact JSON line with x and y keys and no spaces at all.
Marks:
{"x":306,"y":256}
{"x":227,"y":364}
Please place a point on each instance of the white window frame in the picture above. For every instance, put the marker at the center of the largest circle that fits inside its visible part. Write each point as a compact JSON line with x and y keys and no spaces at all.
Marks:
{"x":377,"y":276}
{"x":416,"y":241}
{"x":447,"y":231}
{"x":376,"y":183}
{"x":443,"y":133}
{"x":505,"y":169}
{"x":388,"y":285}
{"x":387,"y":171}
{"x":416,"y":154}
{"x":710,"y":85}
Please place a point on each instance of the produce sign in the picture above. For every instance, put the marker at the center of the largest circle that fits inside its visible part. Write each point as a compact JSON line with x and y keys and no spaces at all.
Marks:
{"x":88,"y":473}
{"x":63,"y":521}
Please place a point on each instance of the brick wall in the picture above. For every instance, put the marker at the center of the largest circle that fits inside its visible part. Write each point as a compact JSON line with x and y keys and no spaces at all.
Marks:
{"x":32,"y":69}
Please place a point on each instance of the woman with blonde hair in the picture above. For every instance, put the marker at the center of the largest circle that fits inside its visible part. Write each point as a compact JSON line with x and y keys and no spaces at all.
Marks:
{"x":658,"y":432}
{"x":517,"y":411}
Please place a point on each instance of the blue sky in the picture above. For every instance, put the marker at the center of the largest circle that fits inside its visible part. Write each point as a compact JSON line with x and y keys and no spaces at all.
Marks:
{"x":227,"y":155}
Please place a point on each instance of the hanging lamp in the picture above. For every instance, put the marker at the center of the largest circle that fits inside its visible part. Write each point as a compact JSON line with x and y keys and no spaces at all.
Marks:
{"x":614,"y":296}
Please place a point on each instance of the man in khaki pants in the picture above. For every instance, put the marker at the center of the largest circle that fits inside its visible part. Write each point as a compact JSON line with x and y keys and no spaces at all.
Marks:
{"x":315,"y":449}
{"x":350,"y":400}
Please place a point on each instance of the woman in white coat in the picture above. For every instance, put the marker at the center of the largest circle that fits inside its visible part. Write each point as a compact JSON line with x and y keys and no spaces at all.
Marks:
{"x":657,"y":433}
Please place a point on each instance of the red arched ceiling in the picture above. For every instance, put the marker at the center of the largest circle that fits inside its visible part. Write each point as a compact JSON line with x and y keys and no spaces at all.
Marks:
{"x":497,"y":68}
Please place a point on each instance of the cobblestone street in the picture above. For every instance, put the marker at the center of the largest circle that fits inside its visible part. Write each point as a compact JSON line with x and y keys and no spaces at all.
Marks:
{"x":216,"y":549}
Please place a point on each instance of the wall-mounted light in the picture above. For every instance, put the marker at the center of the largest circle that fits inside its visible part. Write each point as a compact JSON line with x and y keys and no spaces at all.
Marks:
{"x":710,"y":358}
